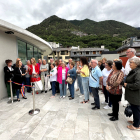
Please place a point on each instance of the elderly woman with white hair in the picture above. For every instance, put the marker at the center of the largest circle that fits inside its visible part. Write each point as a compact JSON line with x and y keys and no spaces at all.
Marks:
{"x":132,"y":92}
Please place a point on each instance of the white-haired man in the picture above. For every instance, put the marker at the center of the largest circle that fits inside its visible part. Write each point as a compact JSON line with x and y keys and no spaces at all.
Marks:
{"x":94,"y":82}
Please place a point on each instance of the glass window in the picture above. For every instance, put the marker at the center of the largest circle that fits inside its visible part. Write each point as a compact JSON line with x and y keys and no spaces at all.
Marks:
{"x":87,"y":52}
{"x":36,"y":54}
{"x":29,"y":51}
{"x":22,"y":51}
{"x":39,"y":54}
{"x":62,"y":52}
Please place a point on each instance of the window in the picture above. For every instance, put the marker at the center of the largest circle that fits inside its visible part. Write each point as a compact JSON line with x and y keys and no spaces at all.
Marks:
{"x":94,"y":52}
{"x":40,"y":54}
{"x":66,"y":53}
{"x":22,"y":51}
{"x":80,"y":53}
{"x":67,"y":57}
{"x":75,"y":53}
{"x":36,"y":54}
{"x":62,"y":52}
{"x":29,"y":51}
{"x":87,"y":52}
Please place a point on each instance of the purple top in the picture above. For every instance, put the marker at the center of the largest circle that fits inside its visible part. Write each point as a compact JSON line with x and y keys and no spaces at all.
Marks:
{"x":68,"y":66}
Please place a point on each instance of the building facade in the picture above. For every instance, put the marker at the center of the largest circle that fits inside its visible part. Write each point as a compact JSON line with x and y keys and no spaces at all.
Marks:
{"x":16,"y":42}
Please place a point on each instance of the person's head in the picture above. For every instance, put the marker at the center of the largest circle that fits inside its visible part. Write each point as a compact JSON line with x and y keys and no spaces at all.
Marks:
{"x":44,"y":62}
{"x":72,"y":64}
{"x":94,"y":63}
{"x":52,"y":65}
{"x":18,"y":63}
{"x":33,"y":62}
{"x":134,"y":62}
{"x":28,"y":62}
{"x":117,"y":65}
{"x":83,"y":61}
{"x":70,"y":60}
{"x":60,"y":61}
{"x":51,"y":60}
{"x":104,"y":60}
{"x":99,"y":63}
{"x":18,"y":59}
{"x":8,"y":62}
{"x":130,"y":52}
{"x":56,"y":62}
{"x":108,"y":64}
{"x":63,"y":64}
{"x":39,"y":61}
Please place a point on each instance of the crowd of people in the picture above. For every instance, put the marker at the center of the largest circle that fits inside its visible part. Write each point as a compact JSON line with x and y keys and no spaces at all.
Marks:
{"x":108,"y":75}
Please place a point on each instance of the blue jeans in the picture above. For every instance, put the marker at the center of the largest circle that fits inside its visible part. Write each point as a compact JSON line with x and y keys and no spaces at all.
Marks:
{"x":79,"y":78}
{"x":71,"y":88}
{"x":17,"y":92}
{"x":62,"y":88}
{"x":53,"y":88}
{"x":28,"y":83}
{"x":85,"y":83}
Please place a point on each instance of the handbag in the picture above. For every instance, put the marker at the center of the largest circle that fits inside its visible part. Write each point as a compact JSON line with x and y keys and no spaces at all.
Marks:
{"x":128,"y":111}
{"x":69,"y":80}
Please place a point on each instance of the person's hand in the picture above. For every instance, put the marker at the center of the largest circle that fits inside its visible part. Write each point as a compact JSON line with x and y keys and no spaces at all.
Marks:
{"x":68,"y":74}
{"x":34,"y":75}
{"x":107,"y":87}
{"x":125,"y":84}
{"x":23,"y":74}
{"x":48,"y":75}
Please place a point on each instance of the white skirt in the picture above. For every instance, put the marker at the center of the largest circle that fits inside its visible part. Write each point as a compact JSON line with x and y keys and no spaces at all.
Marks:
{"x":38,"y":85}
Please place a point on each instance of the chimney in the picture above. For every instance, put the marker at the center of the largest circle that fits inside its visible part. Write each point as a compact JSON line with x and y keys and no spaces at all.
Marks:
{"x":102,"y":46}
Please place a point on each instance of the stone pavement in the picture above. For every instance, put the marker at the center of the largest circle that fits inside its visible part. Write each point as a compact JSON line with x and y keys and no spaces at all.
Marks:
{"x":61,"y":119}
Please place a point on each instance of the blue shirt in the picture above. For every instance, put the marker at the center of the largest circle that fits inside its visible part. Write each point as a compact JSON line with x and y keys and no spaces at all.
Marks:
{"x":94,"y":78}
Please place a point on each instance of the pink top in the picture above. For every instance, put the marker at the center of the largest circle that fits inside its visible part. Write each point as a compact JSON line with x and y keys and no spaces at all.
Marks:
{"x":59,"y":75}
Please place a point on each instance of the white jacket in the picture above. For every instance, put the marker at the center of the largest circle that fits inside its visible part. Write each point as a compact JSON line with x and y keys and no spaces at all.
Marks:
{"x":53,"y":72}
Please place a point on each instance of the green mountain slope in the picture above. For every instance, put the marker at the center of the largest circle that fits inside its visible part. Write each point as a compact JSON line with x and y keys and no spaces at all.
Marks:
{"x":84,"y":33}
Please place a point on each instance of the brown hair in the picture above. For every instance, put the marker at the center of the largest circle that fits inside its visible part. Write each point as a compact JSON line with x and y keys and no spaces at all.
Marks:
{"x":8,"y":61}
{"x":100,"y":61}
{"x":57,"y":62}
{"x":104,"y":59}
{"x":72,"y":63}
{"x":17,"y":63}
{"x":34,"y":63}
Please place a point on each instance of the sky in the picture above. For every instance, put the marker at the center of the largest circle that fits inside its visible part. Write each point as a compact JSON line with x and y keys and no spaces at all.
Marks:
{"x":25,"y":13}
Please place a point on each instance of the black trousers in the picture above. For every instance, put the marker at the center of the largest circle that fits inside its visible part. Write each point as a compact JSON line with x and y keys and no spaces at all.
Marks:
{"x":96,"y":96}
{"x":57,"y":87}
{"x":136,"y":115}
{"x":115,"y":104}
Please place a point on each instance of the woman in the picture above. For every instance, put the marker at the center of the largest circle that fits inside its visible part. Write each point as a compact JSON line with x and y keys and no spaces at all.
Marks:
{"x":114,"y":88}
{"x":34,"y":73}
{"x":9,"y":74}
{"x":19,"y":77}
{"x":103,"y":64}
{"x":72,"y":74}
{"x":85,"y":78}
{"x":105,"y":72}
{"x":99,"y":63}
{"x":61,"y":78}
{"x":57,"y":84}
{"x":79,"y":79}
{"x":132,"y":92}
{"x":53,"y":79}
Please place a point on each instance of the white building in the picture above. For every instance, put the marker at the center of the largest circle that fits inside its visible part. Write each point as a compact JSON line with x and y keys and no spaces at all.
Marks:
{"x":16,"y":42}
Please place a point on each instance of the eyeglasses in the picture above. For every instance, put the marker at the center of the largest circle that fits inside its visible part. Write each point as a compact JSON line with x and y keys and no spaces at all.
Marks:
{"x":129,"y":52}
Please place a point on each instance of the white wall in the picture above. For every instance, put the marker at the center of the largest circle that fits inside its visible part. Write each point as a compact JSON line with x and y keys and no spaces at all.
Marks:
{"x":110,"y":56}
{"x":8,"y":50}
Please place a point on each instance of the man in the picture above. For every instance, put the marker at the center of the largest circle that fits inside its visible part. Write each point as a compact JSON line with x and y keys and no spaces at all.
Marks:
{"x":95,"y":80}
{"x":68,"y":66}
{"x":51,"y":62}
{"x":130,"y":54}
{"x":39,"y":63}
{"x":44,"y":72}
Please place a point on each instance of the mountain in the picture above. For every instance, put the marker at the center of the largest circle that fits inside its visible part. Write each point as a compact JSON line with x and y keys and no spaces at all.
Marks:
{"x":84,"y":33}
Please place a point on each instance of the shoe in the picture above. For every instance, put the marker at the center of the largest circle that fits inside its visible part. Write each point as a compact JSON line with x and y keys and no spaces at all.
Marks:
{"x":42,"y":91}
{"x":50,"y":89}
{"x":95,"y":108}
{"x":113,"y":119}
{"x":61,"y":97}
{"x":71,"y":98}
{"x":24,"y":97}
{"x":77,"y":89}
{"x":93,"y":103}
{"x":45,"y":91}
{"x":110,"y":114}
{"x":18,"y":100}
{"x":81,"y":95}
{"x":104,"y":103}
{"x":107,"y":107}
{"x":64,"y":97}
{"x":36,"y":92}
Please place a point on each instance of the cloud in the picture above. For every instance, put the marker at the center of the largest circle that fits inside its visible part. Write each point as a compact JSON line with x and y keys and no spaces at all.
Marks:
{"x":29,"y":12}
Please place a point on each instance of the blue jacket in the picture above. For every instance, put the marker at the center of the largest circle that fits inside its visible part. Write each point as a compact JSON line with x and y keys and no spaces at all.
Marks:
{"x":72,"y":73}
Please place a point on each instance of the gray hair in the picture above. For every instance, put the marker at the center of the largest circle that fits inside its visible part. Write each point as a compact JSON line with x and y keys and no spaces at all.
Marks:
{"x":136,"y":60}
{"x":132,"y":50}
{"x":63,"y":63}
{"x":96,"y":61}
{"x":61,"y":60}
{"x":44,"y":59}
